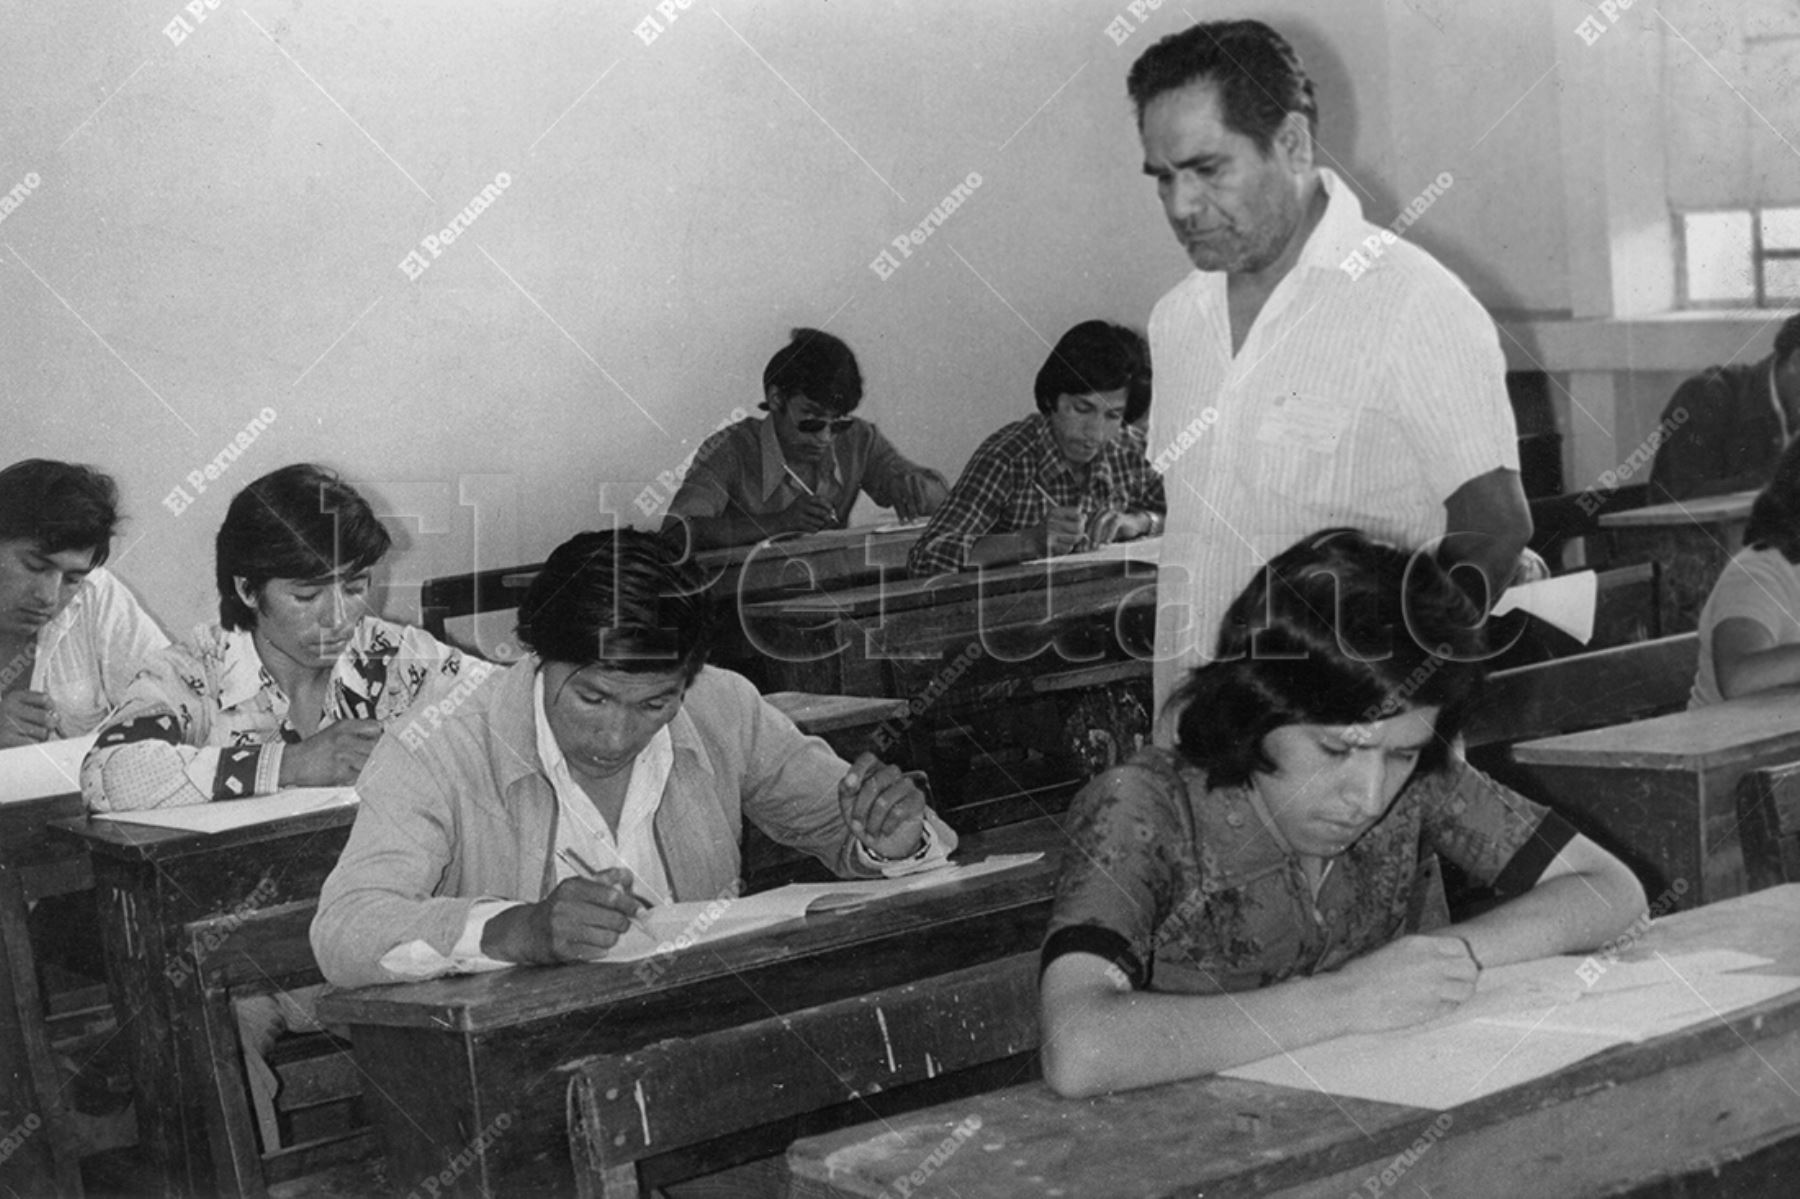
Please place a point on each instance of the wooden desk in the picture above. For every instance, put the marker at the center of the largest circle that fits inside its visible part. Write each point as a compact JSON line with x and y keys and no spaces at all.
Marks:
{"x":1661,"y":792}
{"x":33,"y":1098}
{"x":848,"y":641}
{"x":1631,"y":1115}
{"x":151,"y":883}
{"x":1024,"y":680}
{"x":451,"y":1060}
{"x":736,"y":575}
{"x":829,"y":560}
{"x":1691,"y":539}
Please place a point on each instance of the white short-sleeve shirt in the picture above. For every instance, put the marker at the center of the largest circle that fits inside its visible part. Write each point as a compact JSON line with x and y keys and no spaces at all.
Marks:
{"x":1758,"y":585}
{"x":1360,"y":397}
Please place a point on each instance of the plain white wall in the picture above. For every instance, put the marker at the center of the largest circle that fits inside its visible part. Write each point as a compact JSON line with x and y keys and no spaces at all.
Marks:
{"x":218,"y":225}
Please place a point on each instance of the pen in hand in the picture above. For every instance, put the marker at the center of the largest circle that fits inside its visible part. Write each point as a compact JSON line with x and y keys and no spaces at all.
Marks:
{"x":584,"y":869}
{"x":798,"y":481}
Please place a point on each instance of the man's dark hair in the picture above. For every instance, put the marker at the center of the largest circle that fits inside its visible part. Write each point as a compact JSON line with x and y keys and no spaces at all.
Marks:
{"x":625,"y":600}
{"x":1775,"y":516}
{"x":1097,"y":356}
{"x":1259,"y":77}
{"x":299,"y":522}
{"x":59,"y":506}
{"x":818,"y":366}
{"x":1336,"y":630}
{"x":1787,"y":339}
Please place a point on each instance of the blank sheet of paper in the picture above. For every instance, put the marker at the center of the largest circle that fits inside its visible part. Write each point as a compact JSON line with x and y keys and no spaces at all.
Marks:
{"x":1525,"y":1021}
{"x":38,"y":771}
{"x":224,"y":814}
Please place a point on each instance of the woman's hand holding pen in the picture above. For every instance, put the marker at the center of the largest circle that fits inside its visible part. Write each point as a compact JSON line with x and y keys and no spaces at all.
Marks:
{"x":884,"y":808}
{"x":578,"y":921}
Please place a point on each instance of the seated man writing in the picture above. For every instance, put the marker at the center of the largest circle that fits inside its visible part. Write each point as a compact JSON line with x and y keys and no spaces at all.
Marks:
{"x":1073,"y":475}
{"x":611,"y":766}
{"x":1248,"y":893}
{"x":799,"y":469}
{"x":71,"y":635}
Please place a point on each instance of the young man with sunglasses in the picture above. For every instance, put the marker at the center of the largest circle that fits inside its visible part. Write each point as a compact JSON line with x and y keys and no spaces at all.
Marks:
{"x":799,"y":469}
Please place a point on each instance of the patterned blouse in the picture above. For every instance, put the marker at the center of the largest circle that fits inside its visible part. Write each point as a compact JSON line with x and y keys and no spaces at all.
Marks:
{"x":204,"y":720}
{"x":1185,"y":888}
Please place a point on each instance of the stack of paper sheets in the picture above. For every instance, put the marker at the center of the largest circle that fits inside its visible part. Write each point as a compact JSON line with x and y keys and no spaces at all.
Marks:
{"x":1525,"y":1021}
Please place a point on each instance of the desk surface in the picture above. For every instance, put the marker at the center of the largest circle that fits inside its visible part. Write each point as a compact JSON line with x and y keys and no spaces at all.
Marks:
{"x":903,"y":594}
{"x":510,"y":998}
{"x":1719,"y":735}
{"x":125,"y":841}
{"x":1705,"y":510}
{"x":1561,"y":1134}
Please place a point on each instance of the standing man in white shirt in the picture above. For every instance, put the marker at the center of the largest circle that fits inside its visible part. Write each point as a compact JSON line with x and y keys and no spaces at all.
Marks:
{"x":1365,"y":392}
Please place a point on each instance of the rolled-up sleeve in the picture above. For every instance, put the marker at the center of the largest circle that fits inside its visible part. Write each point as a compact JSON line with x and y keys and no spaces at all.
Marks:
{"x":154,"y":754}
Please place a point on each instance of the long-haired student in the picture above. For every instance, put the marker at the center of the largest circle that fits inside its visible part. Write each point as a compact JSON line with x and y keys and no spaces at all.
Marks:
{"x":1750,"y":625}
{"x":1249,"y":891}
{"x":294,"y":683}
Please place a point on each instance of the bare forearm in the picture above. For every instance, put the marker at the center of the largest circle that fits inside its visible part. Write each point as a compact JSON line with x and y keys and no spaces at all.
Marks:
{"x":1109,"y":1042}
{"x":1763,"y":670}
{"x":1566,"y":914}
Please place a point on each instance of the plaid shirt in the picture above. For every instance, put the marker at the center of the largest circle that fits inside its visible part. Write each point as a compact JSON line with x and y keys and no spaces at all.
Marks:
{"x":999,"y":491}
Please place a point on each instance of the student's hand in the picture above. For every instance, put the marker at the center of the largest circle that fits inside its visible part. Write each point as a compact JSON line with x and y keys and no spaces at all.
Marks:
{"x":1062,"y":531}
{"x":921,"y":494}
{"x":577,"y":922}
{"x":331,"y":757}
{"x":883,"y":807}
{"x":808,"y":514}
{"x":26,"y":718}
{"x":1407,"y":982}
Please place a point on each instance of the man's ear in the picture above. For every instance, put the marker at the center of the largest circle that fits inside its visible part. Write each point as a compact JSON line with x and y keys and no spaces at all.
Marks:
{"x":241,"y":585}
{"x":774,"y":400}
{"x":1293,"y":142}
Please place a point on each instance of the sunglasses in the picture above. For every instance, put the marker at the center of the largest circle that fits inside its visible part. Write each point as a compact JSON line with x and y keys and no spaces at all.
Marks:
{"x":815,"y":424}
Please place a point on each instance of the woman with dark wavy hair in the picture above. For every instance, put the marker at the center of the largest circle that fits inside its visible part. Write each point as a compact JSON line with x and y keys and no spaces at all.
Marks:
{"x":1750,"y":626}
{"x":1256,"y":889}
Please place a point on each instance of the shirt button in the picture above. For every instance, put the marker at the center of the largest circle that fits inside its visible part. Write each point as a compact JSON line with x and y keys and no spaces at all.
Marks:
{"x":1234,"y":819}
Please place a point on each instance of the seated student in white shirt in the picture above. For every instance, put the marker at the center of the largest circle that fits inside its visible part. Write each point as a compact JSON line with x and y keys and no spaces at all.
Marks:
{"x":612,"y":763}
{"x":71,"y":635}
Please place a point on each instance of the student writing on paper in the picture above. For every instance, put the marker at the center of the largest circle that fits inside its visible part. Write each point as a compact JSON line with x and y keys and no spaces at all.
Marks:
{"x":292,"y":685}
{"x":71,"y":635}
{"x":1750,"y":624}
{"x":612,"y":744}
{"x":1071,"y":475}
{"x":1250,"y":891}
{"x":799,"y":469}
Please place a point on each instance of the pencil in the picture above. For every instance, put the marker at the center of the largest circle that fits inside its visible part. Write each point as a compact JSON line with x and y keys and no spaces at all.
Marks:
{"x":798,"y":481}
{"x":581,"y":867}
